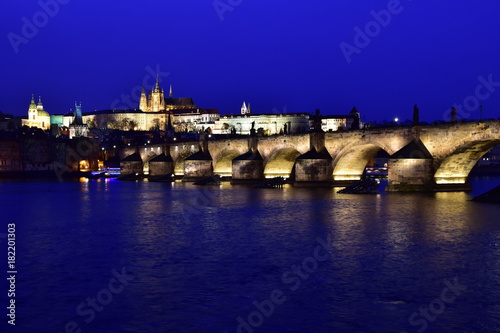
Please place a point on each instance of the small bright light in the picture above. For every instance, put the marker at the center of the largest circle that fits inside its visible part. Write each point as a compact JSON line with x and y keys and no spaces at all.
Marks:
{"x":396,"y":119}
{"x":114,"y":146}
{"x":175,"y":139}
{"x":210,"y":135}
{"x":102,"y":148}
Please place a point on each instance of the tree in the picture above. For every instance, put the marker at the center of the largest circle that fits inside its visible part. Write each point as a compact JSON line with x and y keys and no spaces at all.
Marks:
{"x":125,"y":124}
{"x":132,"y":125}
{"x":92,"y":123}
{"x":113,"y":124}
{"x":156,"y":125}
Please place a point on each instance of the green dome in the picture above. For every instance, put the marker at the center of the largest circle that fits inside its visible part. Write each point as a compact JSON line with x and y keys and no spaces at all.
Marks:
{"x":42,"y":113}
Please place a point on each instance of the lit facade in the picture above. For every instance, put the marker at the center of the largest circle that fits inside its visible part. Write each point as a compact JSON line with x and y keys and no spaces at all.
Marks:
{"x":37,"y":116}
{"x":154,"y":110}
{"x":266,"y":124}
{"x":340,"y":122}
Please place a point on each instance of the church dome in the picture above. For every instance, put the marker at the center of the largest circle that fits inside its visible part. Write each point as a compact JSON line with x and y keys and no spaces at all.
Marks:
{"x":42,"y":113}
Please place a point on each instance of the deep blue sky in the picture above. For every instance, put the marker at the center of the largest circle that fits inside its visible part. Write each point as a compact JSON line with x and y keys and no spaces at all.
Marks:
{"x":274,"y":54}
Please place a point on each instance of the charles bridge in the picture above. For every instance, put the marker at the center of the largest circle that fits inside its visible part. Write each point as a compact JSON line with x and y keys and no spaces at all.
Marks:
{"x":422,"y":158}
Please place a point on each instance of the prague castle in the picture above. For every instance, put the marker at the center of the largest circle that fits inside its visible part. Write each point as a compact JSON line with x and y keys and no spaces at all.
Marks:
{"x":153,"y":113}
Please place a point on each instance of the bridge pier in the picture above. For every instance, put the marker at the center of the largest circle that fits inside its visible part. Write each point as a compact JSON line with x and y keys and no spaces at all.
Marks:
{"x":411,"y":169}
{"x":465,"y":187}
{"x":314,"y":168}
{"x":132,"y":164}
{"x":199,"y":165}
{"x":248,"y":168}
{"x":161,"y":165}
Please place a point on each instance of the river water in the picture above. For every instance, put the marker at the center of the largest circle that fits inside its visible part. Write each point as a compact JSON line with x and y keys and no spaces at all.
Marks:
{"x":110,"y":256}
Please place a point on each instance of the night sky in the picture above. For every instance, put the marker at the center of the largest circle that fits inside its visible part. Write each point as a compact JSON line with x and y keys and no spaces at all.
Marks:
{"x":292,"y":56}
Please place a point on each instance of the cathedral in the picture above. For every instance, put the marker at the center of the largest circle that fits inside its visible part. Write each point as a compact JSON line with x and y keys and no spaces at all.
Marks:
{"x":156,"y":101}
{"x":153,"y":113}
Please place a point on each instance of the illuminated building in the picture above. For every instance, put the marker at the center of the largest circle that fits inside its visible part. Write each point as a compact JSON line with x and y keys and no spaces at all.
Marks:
{"x":78,"y":128}
{"x":37,"y":116}
{"x":153,"y":113}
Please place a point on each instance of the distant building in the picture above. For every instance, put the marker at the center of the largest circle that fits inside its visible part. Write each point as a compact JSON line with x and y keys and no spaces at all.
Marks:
{"x":77,"y":128}
{"x":10,"y":155}
{"x":264,"y":123}
{"x":154,"y":110}
{"x":332,"y":123}
{"x":491,"y":158}
{"x":61,"y":120}
{"x":245,"y":109}
{"x":494,"y":155}
{"x":37,"y":116}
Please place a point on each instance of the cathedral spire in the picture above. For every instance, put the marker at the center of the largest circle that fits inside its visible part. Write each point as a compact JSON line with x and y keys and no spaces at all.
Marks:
{"x":170,"y":94}
{"x":157,"y":87}
{"x":244,"y":108}
{"x":143,"y":101}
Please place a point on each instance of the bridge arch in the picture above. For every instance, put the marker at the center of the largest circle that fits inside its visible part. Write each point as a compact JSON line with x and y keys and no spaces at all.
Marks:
{"x":179,"y":153}
{"x":456,"y":167}
{"x":224,"y":162}
{"x":148,"y":158}
{"x":281,"y":162}
{"x":350,"y":163}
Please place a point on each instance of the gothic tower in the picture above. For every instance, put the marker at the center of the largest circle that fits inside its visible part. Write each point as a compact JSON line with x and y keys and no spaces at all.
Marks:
{"x":157,"y":98}
{"x":143,"y":102}
{"x":78,"y":114}
{"x":245,"y":109}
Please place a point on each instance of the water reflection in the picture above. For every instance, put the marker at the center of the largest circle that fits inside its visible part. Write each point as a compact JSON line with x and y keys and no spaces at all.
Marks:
{"x":204,"y":255}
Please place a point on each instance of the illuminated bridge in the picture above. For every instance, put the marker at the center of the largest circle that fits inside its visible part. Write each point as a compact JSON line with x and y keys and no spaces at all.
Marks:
{"x":434,"y":157}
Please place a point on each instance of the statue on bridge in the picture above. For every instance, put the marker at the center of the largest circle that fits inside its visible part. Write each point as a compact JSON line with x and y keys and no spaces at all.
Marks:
{"x":252,"y":130}
{"x":453,"y":118}
{"x":317,"y":122}
{"x":416,"y":117}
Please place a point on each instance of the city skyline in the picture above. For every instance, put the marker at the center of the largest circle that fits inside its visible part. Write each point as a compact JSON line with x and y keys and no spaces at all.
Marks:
{"x":381,"y":57}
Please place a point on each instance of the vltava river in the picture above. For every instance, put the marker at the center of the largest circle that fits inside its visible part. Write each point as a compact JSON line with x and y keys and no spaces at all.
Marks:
{"x":110,"y":256}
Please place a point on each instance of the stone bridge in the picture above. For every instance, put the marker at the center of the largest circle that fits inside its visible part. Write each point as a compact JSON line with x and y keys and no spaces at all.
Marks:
{"x":434,"y":157}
